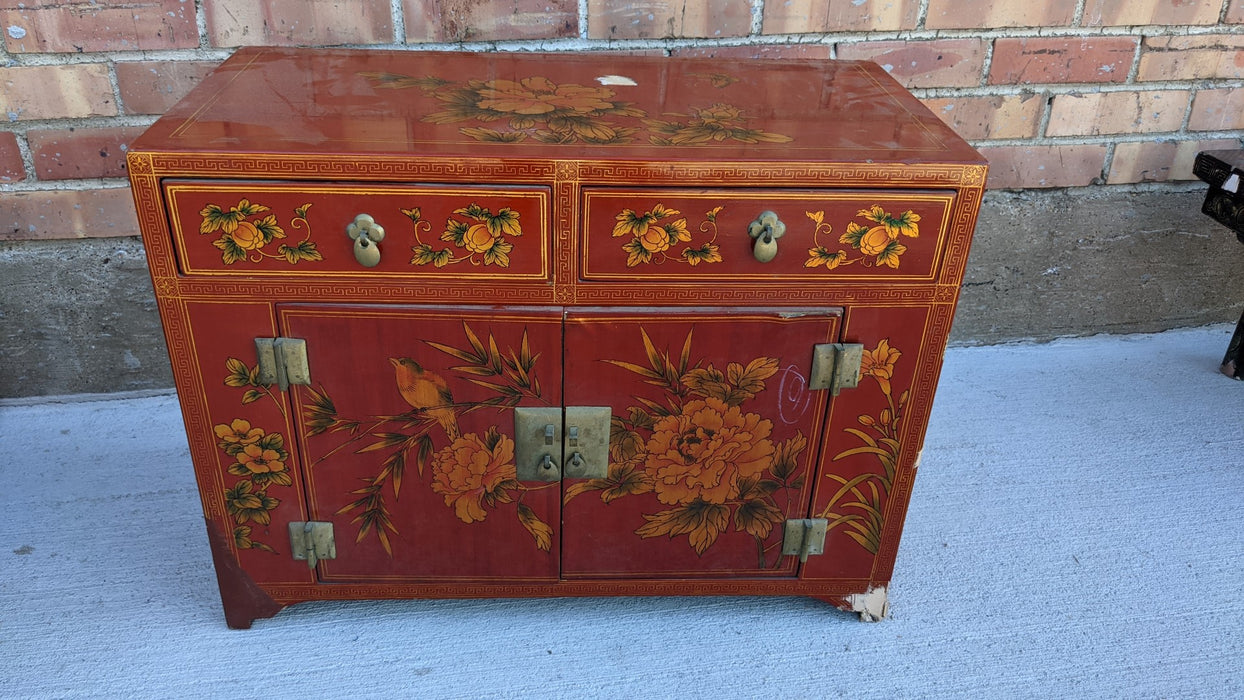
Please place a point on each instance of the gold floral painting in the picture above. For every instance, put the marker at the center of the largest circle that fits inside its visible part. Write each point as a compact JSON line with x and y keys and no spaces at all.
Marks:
{"x":510,"y":111}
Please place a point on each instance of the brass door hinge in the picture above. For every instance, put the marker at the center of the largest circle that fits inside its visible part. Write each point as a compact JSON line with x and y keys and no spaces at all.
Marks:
{"x":312,"y":542}
{"x":836,"y":366}
{"x":804,"y":538}
{"x":282,"y":361}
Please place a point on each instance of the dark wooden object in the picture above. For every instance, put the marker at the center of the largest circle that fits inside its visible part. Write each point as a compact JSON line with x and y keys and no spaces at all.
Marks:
{"x":1224,"y":171}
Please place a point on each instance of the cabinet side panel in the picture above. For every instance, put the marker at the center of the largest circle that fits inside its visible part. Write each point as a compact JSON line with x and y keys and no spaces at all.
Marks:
{"x":249,"y":470}
{"x":871,"y":443}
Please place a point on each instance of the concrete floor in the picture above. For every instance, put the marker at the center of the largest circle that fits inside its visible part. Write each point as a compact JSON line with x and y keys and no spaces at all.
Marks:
{"x":1077,"y":530}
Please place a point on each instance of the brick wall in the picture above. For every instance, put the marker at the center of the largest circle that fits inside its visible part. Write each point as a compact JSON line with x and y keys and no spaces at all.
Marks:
{"x":1056,"y":93}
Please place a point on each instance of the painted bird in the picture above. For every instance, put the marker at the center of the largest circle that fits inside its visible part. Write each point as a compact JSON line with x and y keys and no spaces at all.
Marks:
{"x":426,"y":391}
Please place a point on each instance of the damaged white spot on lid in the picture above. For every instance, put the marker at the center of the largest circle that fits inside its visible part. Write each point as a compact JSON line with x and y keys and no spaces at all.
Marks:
{"x":615,"y":80}
{"x":1232,"y":184}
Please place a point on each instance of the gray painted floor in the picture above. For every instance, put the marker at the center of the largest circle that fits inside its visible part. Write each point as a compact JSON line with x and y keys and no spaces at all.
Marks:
{"x":1076,"y":531}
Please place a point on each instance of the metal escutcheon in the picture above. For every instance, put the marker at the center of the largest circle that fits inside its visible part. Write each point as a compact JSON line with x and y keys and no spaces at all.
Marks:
{"x":366,"y":234}
{"x":766,"y":229}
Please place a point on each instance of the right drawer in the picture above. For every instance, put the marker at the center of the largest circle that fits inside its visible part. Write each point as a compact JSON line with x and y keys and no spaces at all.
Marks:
{"x":701,"y":235}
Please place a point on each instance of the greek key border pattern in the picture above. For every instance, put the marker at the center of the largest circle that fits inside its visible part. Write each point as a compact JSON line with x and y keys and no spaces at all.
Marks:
{"x":354,"y":291}
{"x":787,"y":295}
{"x":834,"y":589}
{"x":963,"y":223}
{"x":782,"y":174}
{"x":378,"y":167}
{"x":190,"y":393}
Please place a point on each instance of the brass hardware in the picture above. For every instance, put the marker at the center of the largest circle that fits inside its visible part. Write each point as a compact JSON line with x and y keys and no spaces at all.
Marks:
{"x":265,"y":355}
{"x":766,"y":229}
{"x":587,"y":441}
{"x":583,"y":450}
{"x":366,"y":234}
{"x":282,"y":361}
{"x":804,"y":538}
{"x":312,"y":542}
{"x":836,"y":366}
{"x":537,"y":451}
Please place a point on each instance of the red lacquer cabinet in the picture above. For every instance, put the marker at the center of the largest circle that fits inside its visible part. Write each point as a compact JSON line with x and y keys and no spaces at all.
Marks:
{"x":452,"y":325}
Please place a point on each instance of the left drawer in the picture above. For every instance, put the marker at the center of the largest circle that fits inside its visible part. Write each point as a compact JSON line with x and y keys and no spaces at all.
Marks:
{"x":428,"y":232}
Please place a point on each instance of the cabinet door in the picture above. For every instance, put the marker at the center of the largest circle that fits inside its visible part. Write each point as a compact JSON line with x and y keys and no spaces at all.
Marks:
{"x":407,"y":436}
{"x":713,"y":441}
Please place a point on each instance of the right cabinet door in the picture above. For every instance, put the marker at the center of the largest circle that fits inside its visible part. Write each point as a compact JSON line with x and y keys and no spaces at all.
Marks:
{"x":713,"y":441}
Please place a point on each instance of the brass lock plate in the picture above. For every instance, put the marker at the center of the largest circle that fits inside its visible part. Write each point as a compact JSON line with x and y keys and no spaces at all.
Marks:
{"x":587,"y":442}
{"x":538,"y":443}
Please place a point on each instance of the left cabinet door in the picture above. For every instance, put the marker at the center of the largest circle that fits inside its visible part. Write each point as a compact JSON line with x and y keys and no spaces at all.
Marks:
{"x":407,"y":436}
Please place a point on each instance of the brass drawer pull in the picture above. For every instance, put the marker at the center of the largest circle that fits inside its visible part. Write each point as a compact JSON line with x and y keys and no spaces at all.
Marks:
{"x":766,"y":229}
{"x":366,"y":234}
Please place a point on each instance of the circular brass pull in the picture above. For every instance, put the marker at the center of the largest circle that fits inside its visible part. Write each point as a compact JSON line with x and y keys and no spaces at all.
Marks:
{"x":366,"y":234}
{"x":766,"y":229}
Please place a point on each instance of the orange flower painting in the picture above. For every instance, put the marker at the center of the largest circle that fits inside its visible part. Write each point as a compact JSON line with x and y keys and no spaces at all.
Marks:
{"x":879,"y":244}
{"x":472,"y":473}
{"x":654,"y":233}
{"x":708,"y":462}
{"x":244,"y":231}
{"x":704,"y":452}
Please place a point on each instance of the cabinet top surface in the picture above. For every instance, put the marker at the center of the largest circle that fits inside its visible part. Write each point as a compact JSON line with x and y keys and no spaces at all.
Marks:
{"x":554,"y":106}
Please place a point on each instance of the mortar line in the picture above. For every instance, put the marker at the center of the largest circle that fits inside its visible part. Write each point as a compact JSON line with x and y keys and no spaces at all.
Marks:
{"x":397,"y":15}
{"x":758,"y":17}
{"x":200,"y":24}
{"x":583,"y":20}
{"x":1077,"y":15}
{"x":1106,"y":164}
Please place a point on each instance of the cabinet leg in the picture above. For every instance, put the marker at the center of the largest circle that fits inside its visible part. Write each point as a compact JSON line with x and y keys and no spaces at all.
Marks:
{"x":1233,"y":361}
{"x":244,"y":601}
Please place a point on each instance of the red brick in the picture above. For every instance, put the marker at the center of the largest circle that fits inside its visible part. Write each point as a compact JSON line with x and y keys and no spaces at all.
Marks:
{"x":1058,"y":60}
{"x":804,"y":16}
{"x":992,"y":14}
{"x":151,"y":87}
{"x":661,"y":19}
{"x":1129,"y":112}
{"x":1113,"y":13}
{"x":1014,"y":167}
{"x":62,"y":154}
{"x":54,"y":92}
{"x":937,"y":63}
{"x":1151,"y":161}
{"x":471,"y":20}
{"x":298,"y":22}
{"x":11,"y":167}
{"x":51,"y":214}
{"x":756,"y":51}
{"x":1192,"y":57}
{"x":1235,"y":14}
{"x":1217,"y":110}
{"x":52,"y":26}
{"x":1000,"y":117}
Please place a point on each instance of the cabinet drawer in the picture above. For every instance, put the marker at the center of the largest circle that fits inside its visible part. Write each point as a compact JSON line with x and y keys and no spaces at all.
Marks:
{"x":292,"y":229}
{"x":691,"y":235}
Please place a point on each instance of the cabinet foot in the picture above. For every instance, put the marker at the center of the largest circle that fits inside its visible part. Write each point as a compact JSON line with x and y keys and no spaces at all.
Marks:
{"x":244,"y":601}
